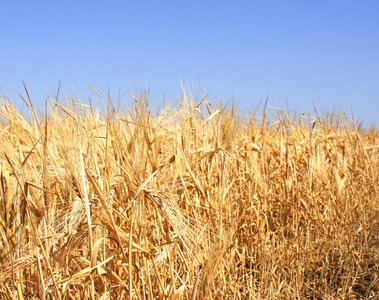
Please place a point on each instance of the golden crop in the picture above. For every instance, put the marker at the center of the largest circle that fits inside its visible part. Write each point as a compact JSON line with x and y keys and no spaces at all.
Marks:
{"x":198,"y":201}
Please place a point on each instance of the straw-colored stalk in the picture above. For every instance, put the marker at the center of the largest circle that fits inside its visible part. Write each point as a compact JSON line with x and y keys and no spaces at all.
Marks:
{"x":199,"y":201}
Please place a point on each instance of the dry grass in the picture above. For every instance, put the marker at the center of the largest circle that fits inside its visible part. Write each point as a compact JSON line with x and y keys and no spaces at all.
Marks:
{"x":194,"y":202}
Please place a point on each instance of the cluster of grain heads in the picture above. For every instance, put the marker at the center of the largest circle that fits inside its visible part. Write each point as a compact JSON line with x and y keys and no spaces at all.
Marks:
{"x":194,"y":202}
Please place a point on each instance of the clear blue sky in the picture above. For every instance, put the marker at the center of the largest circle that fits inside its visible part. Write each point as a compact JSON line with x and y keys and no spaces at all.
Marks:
{"x":295,"y":52}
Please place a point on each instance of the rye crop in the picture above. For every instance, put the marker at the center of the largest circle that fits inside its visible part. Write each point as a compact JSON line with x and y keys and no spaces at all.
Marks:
{"x":195,"y":200}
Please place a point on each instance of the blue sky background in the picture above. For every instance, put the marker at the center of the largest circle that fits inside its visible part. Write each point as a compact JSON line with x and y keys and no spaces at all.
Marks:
{"x":295,"y":53}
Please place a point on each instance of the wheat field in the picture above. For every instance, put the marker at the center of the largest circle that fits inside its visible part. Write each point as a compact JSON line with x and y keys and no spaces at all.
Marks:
{"x":192,"y":201}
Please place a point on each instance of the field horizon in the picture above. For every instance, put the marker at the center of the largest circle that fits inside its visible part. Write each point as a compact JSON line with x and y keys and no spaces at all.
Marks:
{"x":193,"y":201}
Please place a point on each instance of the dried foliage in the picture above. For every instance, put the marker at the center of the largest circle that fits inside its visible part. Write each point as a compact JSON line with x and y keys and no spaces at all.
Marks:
{"x":194,"y":202}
